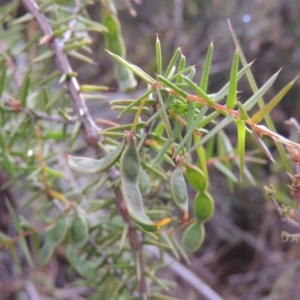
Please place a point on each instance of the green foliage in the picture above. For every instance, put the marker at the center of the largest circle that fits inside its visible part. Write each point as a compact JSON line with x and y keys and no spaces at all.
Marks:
{"x":100,"y":222}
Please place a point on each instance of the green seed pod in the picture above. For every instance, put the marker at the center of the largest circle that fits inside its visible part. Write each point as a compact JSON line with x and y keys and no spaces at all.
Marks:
{"x":89,"y":165}
{"x":204,"y":206}
{"x":179,"y":193}
{"x":196,"y":177}
{"x":80,"y":231}
{"x":129,"y":172}
{"x":144,"y":182}
{"x":193,"y":237}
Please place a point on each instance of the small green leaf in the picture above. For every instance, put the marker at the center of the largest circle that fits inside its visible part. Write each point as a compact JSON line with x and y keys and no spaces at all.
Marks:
{"x":23,"y":19}
{"x":81,"y":57}
{"x":176,"y":132}
{"x":199,"y":91}
{"x":257,"y":117}
{"x":80,"y":231}
{"x":180,"y":250}
{"x":135,"y":102}
{"x":158,"y":56}
{"x":212,"y":132}
{"x":77,"y":45}
{"x":24,"y":89}
{"x":45,"y":55}
{"x":87,"y":88}
{"x":136,"y":70}
{"x":172,"y":62}
{"x":224,"y":90}
{"x":173,"y":86}
{"x":190,"y":120}
{"x":124,"y":236}
{"x":121,"y":128}
{"x":3,"y":76}
{"x":189,"y":70}
{"x":192,"y":73}
{"x":160,"y":110}
{"x":181,"y":67}
{"x":260,"y":101}
{"x":205,"y":74}
{"x":241,"y":128}
{"x":190,"y":131}
{"x":9,"y":163}
{"x":256,"y":97}
{"x":224,"y":170}
{"x":3,"y":139}
{"x":164,"y":115}
{"x":231,"y":98}
{"x":168,"y":240}
{"x":54,"y":173}
{"x":93,"y":24}
{"x":193,"y":237}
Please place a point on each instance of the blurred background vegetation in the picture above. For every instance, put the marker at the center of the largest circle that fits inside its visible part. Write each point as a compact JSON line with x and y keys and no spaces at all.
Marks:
{"x":243,"y":256}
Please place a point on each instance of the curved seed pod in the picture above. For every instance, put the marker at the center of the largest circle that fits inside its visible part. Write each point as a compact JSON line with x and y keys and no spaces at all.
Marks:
{"x":196,"y":177}
{"x":179,"y":192}
{"x":204,"y":206}
{"x":129,"y":171}
{"x":80,"y":231}
{"x":90,"y":165}
{"x":193,"y":237}
{"x":144,"y":182}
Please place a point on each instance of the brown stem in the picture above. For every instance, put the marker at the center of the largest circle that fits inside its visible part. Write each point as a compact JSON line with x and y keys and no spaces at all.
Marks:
{"x":91,"y":130}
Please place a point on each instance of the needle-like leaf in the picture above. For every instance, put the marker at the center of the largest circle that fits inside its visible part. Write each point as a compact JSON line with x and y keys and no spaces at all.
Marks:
{"x":241,"y":145}
{"x":205,"y":74}
{"x":231,"y":98}
{"x":259,"y":93}
{"x":158,"y":56}
{"x":257,"y":117}
{"x":212,"y":132}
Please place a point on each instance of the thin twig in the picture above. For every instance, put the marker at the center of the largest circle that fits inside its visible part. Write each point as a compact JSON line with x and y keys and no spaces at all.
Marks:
{"x":91,"y":130}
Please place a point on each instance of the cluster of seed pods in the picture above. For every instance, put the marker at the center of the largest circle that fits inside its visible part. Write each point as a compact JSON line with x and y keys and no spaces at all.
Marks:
{"x":203,"y":208}
{"x":135,"y":182}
